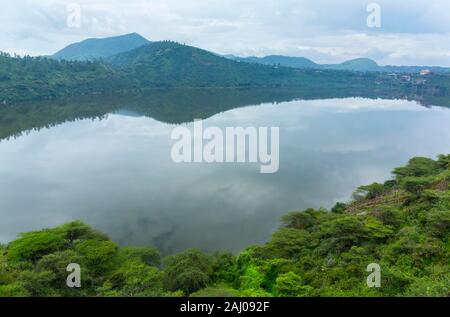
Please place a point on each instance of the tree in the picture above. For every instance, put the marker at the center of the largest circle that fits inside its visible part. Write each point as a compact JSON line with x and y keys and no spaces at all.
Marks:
{"x":290,"y":285}
{"x":415,"y":185}
{"x":37,"y":283}
{"x":57,"y":263}
{"x":339,"y":208}
{"x":13,"y":290}
{"x":299,"y":220}
{"x":32,"y":246}
{"x":149,"y":256}
{"x":438,"y":223}
{"x":135,"y":278}
{"x":289,"y":243}
{"x":369,"y":192}
{"x":77,"y":230}
{"x":188,"y":271}
{"x":417,"y":166}
{"x":99,"y":256}
{"x":224,"y":267}
{"x":342,"y":233}
{"x":252,"y":279}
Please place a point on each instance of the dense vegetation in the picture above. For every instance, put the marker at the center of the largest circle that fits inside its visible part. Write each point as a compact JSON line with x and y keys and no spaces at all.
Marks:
{"x":403,"y":225}
{"x":358,"y":64}
{"x":171,"y":65}
{"x":287,"y":61}
{"x":28,"y":78}
{"x":168,"y":64}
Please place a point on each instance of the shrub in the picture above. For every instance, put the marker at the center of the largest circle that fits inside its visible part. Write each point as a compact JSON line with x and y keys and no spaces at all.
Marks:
{"x":34,"y":245}
{"x":188,"y":271}
{"x":149,"y":256}
{"x":290,"y":285}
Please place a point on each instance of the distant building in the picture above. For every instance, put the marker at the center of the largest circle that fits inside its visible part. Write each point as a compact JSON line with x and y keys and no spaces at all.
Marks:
{"x":406,"y":78}
{"x":425,"y":72}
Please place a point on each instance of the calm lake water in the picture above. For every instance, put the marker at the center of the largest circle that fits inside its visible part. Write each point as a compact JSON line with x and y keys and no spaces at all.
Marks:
{"x":116,"y":174}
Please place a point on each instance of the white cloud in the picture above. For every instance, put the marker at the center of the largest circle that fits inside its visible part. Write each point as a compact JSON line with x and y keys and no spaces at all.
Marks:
{"x":413,"y":32}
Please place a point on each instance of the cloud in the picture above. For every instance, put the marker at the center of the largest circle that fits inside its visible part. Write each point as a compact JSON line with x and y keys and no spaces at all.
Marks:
{"x":416,"y":32}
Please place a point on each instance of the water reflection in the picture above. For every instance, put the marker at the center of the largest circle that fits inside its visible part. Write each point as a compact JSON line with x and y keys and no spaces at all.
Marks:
{"x":115,"y":171}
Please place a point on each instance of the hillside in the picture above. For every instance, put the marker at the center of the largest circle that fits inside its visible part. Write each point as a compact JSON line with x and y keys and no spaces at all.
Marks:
{"x":357,"y":65}
{"x":91,"y":49}
{"x":155,"y":65}
{"x":29,"y":78}
{"x":168,"y":64}
{"x":402,"y":225}
{"x":171,"y":65}
{"x":286,"y":61}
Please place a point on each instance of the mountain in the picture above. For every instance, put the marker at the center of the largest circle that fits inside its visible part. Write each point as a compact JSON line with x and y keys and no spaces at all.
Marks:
{"x":369,"y":65}
{"x":287,"y":61}
{"x":100,"y":48}
{"x":173,"y":65}
{"x":30,"y":78}
{"x":358,"y":64}
{"x":168,"y":64}
{"x":92,"y":49}
{"x":154,"y":65}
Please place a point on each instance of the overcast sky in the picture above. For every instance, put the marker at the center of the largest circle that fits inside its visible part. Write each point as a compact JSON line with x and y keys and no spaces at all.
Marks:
{"x":413,"y":32}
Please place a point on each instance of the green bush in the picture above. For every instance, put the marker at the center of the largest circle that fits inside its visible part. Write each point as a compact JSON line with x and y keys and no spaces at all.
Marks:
{"x":149,"y":256}
{"x":290,"y":285}
{"x":99,"y":256}
{"x":188,"y":271}
{"x":34,"y":245}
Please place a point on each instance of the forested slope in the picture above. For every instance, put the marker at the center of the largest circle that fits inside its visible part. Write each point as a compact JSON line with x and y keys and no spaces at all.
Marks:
{"x":171,"y":65}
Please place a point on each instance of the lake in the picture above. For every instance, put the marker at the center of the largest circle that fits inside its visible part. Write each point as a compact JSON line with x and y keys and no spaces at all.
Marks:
{"x":112,"y":168}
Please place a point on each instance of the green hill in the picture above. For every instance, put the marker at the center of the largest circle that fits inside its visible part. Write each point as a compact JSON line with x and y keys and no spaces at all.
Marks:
{"x":92,"y":49}
{"x":358,"y":64}
{"x":29,"y":78}
{"x":286,"y":61}
{"x":172,"y":65}
{"x":168,"y":64}
{"x":100,"y":48}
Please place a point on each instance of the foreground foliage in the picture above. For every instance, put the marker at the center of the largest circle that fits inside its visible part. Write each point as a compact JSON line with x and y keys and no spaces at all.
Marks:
{"x":403,"y":225}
